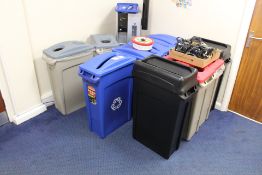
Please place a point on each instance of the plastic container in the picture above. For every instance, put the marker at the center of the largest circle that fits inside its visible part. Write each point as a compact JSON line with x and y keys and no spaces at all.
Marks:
{"x":164,"y":39}
{"x":107,"y":83}
{"x":222,"y":81}
{"x":142,"y":43}
{"x":62,"y":61}
{"x":157,"y":49}
{"x":202,"y":103}
{"x":103,"y":43}
{"x":130,"y":51}
{"x":162,"y":97}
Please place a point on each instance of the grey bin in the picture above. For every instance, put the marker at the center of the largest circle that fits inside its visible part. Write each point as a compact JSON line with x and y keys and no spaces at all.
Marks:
{"x":63,"y":60}
{"x":103,"y":43}
{"x":201,"y":106}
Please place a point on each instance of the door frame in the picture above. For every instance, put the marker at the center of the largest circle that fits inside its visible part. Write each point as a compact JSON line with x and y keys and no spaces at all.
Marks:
{"x":9,"y":106}
{"x":240,"y":44}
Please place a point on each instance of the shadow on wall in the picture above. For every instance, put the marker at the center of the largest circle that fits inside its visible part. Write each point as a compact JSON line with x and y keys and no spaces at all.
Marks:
{"x":104,"y":29}
{"x":42,"y":77}
{"x":107,"y":25}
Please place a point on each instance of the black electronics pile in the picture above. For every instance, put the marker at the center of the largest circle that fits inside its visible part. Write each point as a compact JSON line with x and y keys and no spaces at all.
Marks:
{"x":194,"y":47}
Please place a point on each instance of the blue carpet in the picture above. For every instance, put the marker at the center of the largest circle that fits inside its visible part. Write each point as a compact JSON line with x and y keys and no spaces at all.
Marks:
{"x":51,"y":144}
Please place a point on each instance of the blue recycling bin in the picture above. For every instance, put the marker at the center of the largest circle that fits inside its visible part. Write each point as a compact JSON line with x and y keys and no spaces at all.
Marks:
{"x":157,"y":49}
{"x":107,"y":82}
{"x":128,"y":50}
{"x":164,"y":39}
{"x":162,"y":44}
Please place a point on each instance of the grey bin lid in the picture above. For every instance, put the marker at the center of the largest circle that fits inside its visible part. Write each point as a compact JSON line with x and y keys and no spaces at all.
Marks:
{"x":104,"y":41}
{"x":67,"y":49}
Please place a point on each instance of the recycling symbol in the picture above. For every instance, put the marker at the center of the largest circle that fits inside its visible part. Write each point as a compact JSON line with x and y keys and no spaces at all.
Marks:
{"x":116,"y":103}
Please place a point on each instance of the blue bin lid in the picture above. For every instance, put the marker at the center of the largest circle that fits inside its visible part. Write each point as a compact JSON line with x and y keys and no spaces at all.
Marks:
{"x":67,"y":49}
{"x":127,"y":8}
{"x":163,"y":43}
{"x":127,"y":49}
{"x":159,"y":49}
{"x":106,"y":63}
{"x":164,"y":39}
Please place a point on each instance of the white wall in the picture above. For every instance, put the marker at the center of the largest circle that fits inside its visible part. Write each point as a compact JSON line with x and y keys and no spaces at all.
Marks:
{"x":215,"y":19}
{"x":29,"y":26}
{"x":18,"y":80}
{"x":52,"y":21}
{"x":218,"y":20}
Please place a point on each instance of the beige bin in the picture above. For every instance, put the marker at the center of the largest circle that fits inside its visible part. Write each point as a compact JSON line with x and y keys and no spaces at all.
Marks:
{"x":202,"y":104}
{"x":103,"y":43}
{"x":63,"y":60}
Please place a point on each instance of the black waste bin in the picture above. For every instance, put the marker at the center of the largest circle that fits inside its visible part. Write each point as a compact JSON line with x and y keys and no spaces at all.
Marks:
{"x":162,"y":97}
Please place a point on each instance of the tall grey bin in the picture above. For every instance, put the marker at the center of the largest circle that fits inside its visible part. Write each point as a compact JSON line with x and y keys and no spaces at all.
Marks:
{"x":202,"y":104}
{"x":103,"y":43}
{"x":63,"y":60}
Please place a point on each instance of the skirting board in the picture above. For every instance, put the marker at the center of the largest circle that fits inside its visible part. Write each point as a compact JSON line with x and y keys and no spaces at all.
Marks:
{"x":218,"y":106}
{"x":18,"y":119}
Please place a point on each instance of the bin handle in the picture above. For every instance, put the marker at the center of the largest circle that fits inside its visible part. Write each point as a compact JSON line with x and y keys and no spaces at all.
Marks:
{"x":220,"y":71}
{"x":217,"y":74}
{"x":88,"y":77}
{"x":207,"y":82}
{"x":191,"y":91}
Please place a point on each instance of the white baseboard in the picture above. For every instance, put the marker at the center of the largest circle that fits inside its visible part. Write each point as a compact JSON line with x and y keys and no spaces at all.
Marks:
{"x":38,"y":109}
{"x":218,"y":106}
{"x":48,"y":99}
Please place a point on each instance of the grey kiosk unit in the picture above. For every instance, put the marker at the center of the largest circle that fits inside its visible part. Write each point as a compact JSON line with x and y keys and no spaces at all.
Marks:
{"x":63,"y":60}
{"x":128,"y":21}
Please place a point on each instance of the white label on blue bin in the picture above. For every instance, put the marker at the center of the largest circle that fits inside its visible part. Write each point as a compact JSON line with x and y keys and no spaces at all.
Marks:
{"x":117,"y":58}
{"x":117,"y":102}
